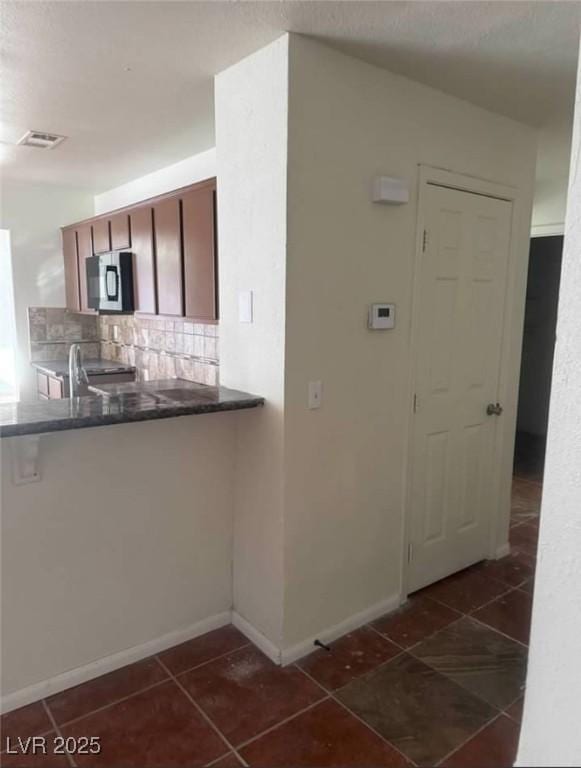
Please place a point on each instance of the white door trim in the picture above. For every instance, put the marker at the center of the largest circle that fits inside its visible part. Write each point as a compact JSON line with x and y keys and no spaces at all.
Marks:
{"x":510,"y":352}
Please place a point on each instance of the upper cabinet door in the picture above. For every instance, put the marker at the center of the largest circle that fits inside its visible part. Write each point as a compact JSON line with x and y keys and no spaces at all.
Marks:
{"x":166,"y":217}
{"x":101,"y":236}
{"x":85,"y":250}
{"x":120,"y":237}
{"x":71,"y":269}
{"x":143,"y":261}
{"x":199,"y":253}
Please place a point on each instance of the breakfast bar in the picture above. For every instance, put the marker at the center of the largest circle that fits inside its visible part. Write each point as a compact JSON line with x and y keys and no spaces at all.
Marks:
{"x":121,"y":403}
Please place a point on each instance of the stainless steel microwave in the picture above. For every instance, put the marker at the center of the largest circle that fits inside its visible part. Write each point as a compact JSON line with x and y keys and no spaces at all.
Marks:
{"x":110,"y":282}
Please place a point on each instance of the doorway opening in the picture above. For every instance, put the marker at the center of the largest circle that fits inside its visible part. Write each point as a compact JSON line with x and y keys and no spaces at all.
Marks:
{"x":538,"y":348}
{"x":8,"y":378}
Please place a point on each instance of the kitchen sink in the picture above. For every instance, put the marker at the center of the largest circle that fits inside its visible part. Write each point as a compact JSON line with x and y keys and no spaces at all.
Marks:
{"x":183,"y":395}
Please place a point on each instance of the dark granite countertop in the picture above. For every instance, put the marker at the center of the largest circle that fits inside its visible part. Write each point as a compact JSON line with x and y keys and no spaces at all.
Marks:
{"x":95,"y":366}
{"x":169,"y":386}
{"x":124,"y":403}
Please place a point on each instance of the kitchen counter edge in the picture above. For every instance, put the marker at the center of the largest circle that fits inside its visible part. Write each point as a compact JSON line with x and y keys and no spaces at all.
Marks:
{"x":19,"y":419}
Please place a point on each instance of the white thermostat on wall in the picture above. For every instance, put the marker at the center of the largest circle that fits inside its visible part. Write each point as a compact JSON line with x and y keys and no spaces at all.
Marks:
{"x":381,"y":316}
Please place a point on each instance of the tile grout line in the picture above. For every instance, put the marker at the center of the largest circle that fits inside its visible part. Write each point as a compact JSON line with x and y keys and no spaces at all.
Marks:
{"x":325,"y":696}
{"x":387,"y":637}
{"x":96,"y":711}
{"x":444,"y":674}
{"x":407,"y":758}
{"x":331,"y":695}
{"x":463,"y":615}
{"x":219,"y":760}
{"x":449,"y":607}
{"x":463,"y":744}
{"x":430,"y":635}
{"x":286,"y":720}
{"x":509,"y":589}
{"x":500,"y":632}
{"x":487,"y":626}
{"x":441,"y":629}
{"x":50,"y":716}
{"x":328,"y":695}
{"x":521,"y":524}
{"x":528,"y":480}
{"x":498,"y":710}
{"x":208,"y":720}
{"x":409,"y":651}
{"x":203,"y":663}
{"x":139,"y":690}
{"x":511,"y":717}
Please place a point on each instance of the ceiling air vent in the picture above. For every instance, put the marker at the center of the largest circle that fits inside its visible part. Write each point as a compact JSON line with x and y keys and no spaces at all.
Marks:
{"x":41,"y":140}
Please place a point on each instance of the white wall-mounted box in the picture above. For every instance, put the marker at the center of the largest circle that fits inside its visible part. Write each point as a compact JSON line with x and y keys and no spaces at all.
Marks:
{"x":388,"y":189}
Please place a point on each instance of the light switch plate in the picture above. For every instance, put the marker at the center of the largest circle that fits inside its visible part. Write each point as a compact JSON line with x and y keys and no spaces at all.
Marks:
{"x":245,"y":308}
{"x":315,"y":394}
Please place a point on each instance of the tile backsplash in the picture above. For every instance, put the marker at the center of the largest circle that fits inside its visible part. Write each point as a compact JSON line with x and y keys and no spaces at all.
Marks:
{"x":158,"y":348}
{"x":52,"y":331}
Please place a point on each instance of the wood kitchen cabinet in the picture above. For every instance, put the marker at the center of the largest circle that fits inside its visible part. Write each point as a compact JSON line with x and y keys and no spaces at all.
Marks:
{"x":101,"y":236}
{"x":71,"y":263}
{"x":198,"y":216}
{"x":42,"y":385}
{"x":56,"y":387}
{"x":120,"y":232}
{"x":85,"y":250}
{"x":173,"y":241}
{"x":167,"y":233}
{"x":143,"y":260}
{"x":49,"y":387}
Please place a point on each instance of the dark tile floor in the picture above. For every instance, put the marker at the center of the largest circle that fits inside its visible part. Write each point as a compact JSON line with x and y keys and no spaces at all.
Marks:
{"x":439,"y":682}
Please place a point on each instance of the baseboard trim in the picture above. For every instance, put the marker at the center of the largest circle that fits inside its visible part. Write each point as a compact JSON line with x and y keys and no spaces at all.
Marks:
{"x":548,"y":230}
{"x":502,"y":551}
{"x":100,"y":667}
{"x":256,"y":637}
{"x":295,"y":652}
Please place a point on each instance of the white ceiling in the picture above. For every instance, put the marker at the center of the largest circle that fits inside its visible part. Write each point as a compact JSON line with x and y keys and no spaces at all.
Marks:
{"x":131,"y":82}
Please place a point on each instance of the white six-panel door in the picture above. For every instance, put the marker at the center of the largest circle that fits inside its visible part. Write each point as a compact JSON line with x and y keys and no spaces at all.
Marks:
{"x":459,"y":320}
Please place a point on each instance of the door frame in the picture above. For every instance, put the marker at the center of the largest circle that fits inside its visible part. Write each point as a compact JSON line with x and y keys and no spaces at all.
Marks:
{"x":514,"y":303}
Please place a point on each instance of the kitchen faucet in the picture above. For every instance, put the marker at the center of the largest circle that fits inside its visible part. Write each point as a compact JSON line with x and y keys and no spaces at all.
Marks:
{"x":77,"y":374}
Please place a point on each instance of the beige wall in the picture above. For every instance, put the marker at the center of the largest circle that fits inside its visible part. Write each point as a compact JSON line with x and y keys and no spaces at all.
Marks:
{"x":251,"y":141}
{"x":33,"y":213}
{"x":345,"y":463}
{"x":552,"y":173}
{"x":126,"y":538}
{"x":181,"y":174}
{"x":343,"y":466}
